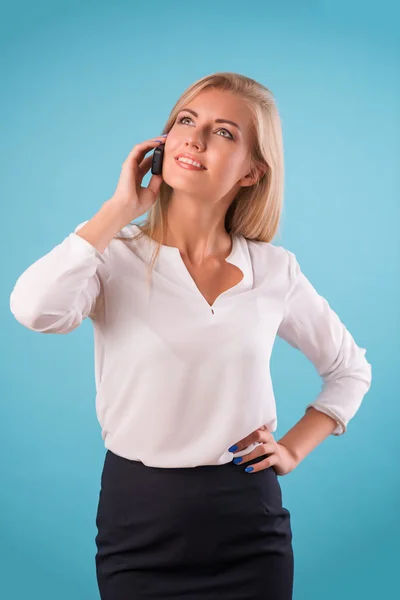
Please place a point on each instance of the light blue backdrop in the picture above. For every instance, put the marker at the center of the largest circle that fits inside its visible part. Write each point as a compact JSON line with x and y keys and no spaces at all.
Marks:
{"x":81,"y":84}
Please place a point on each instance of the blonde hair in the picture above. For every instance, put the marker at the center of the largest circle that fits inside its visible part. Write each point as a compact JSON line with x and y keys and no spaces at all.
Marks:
{"x":255,"y":211}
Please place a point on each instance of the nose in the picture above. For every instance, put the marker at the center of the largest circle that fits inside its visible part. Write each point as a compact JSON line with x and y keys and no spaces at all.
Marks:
{"x":194,"y":140}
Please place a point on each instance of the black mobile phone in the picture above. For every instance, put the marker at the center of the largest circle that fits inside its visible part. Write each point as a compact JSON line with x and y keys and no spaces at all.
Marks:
{"x":158,"y":155}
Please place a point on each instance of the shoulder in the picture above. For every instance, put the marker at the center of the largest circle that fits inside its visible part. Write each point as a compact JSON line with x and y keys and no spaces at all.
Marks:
{"x":273,"y":265}
{"x":268,"y":257}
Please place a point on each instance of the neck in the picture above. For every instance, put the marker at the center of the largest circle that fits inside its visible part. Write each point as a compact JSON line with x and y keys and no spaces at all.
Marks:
{"x":197,"y":229}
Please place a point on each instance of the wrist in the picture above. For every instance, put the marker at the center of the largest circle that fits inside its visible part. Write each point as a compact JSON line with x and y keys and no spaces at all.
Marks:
{"x":293,"y":457}
{"x":116,"y":213}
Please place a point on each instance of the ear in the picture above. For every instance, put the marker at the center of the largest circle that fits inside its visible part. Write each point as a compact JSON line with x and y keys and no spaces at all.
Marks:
{"x":253,"y":176}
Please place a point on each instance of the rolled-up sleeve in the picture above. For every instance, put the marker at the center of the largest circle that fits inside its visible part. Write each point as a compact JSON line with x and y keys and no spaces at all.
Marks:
{"x":311,"y":326}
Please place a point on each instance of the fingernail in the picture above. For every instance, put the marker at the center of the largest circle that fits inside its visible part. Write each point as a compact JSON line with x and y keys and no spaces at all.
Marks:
{"x":238,"y":459}
{"x":232,"y":449}
{"x":249,"y":469}
{"x":164,"y":135}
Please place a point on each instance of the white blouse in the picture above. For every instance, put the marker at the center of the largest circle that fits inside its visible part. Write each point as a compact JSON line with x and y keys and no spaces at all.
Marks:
{"x":179,"y":381}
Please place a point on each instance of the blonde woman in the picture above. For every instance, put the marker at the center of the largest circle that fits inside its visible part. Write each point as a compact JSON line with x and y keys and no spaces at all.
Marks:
{"x":185,"y":310}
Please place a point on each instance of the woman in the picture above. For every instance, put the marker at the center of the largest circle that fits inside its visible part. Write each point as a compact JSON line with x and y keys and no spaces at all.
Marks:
{"x":185,"y":311}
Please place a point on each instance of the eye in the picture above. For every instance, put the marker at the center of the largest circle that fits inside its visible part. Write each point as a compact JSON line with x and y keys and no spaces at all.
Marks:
{"x":181,"y":119}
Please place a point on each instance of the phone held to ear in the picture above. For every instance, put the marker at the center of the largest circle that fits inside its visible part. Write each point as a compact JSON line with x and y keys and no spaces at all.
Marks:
{"x":158,"y":155}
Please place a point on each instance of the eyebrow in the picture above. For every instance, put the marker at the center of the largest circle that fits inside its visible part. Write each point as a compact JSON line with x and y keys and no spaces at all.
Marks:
{"x":216,"y":120}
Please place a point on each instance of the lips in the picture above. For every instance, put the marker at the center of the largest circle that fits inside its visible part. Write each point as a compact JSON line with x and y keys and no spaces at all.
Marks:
{"x":187,"y":155}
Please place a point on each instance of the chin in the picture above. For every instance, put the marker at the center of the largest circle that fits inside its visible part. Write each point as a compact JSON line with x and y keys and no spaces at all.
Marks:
{"x":181,"y":182}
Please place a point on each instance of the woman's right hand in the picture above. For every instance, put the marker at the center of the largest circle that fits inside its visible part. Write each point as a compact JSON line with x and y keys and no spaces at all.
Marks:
{"x":134,"y":199}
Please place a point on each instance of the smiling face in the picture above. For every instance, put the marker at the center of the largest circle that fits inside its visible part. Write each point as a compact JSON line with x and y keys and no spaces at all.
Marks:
{"x":221,"y":147}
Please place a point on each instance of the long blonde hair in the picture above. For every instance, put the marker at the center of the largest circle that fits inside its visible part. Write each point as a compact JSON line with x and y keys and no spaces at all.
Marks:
{"x":255,"y":211}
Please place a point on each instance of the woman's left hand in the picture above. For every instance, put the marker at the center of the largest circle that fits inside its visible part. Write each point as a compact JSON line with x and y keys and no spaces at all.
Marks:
{"x":280,"y":458}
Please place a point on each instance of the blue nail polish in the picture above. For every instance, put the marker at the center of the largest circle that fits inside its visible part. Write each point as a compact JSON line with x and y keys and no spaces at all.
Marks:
{"x":164,"y":135}
{"x":232,"y":449}
{"x":237,"y":460}
{"x":249,"y":469}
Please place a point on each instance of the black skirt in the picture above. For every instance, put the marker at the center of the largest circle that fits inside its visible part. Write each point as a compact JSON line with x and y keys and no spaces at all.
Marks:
{"x":193,"y":533}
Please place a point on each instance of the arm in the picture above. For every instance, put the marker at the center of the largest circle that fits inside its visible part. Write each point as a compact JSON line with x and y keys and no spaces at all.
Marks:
{"x":311,"y":326}
{"x":312,"y":429}
{"x":58,"y":291}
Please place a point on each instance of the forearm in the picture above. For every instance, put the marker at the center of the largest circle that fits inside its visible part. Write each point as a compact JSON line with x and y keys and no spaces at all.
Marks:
{"x":103,"y":226}
{"x":308,"y":433}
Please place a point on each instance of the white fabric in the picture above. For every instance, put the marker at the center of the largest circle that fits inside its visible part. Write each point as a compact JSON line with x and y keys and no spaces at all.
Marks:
{"x":179,"y":382}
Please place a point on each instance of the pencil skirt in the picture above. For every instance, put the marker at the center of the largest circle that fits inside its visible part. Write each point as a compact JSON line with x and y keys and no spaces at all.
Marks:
{"x":212,"y":532}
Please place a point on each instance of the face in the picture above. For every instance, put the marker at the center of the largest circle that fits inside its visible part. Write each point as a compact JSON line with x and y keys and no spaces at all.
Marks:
{"x":221,"y":147}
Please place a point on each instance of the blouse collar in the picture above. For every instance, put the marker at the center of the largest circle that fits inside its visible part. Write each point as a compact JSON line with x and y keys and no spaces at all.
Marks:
{"x":169,"y":263}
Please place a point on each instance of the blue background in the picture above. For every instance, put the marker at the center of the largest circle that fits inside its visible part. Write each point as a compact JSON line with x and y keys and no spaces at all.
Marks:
{"x":82,"y":82}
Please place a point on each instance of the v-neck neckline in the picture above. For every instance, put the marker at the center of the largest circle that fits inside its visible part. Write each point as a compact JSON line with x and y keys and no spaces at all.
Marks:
{"x":186,"y":273}
{"x":171,"y":257}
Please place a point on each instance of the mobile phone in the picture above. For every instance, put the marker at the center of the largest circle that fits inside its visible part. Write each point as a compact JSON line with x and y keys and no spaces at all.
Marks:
{"x":158,"y":155}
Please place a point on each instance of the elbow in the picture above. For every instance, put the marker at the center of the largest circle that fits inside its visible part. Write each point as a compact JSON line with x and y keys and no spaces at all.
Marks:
{"x":343,"y":392}
{"x":49,"y":323}
{"x":23,"y":306}
{"x":42,"y":320}
{"x":356,"y":378}
{"x":363,"y":373}
{"x":350,"y":364}
{"x":22,"y":310}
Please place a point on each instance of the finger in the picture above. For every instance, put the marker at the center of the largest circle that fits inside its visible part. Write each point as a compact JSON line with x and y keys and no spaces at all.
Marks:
{"x":256,"y":436}
{"x":268,"y":448}
{"x":139,"y":151}
{"x":145,"y":166}
{"x":155,"y":184}
{"x":155,"y":180}
{"x":264,"y":464}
